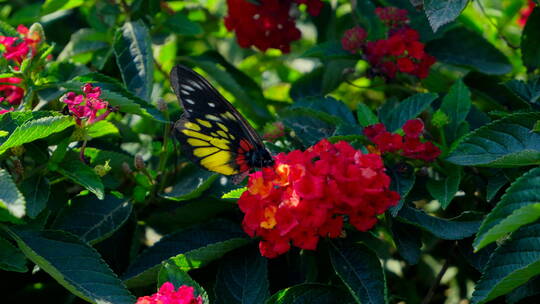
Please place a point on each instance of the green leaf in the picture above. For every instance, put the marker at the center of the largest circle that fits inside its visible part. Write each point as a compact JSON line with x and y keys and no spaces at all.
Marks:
{"x":326,"y":105}
{"x":191,"y":248}
{"x":528,"y":289}
{"x":11,"y":199}
{"x":133,"y":50}
{"x":441,"y":12}
{"x":364,"y":10}
{"x":446,"y":229}
{"x":530,"y":41}
{"x":308,"y":127}
{"x":191,"y":183}
{"x":445,"y":189}
{"x":328,"y":50}
{"x":242,"y":278}
{"x":170,"y":272}
{"x":92,"y":220}
{"x":402,"y":181}
{"x":311,"y":293}
{"x":360,"y":269}
{"x":528,"y":91}
{"x":408,"y":241}
{"x":74,"y":264}
{"x":519,"y":206}
{"x":511,"y":265}
{"x":464,"y":47}
{"x":234,"y":194}
{"x":7,"y":30}
{"x":102,"y":128}
{"x":36,"y":190}
{"x":51,"y":6}
{"x":365,"y":116}
{"x":36,"y":129}
{"x":11,"y":258}
{"x":456,"y":105}
{"x":83,"y":41}
{"x":114,"y":92}
{"x":83,"y":175}
{"x":507,"y":142}
{"x":181,"y":25}
{"x":406,"y":109}
{"x":333,"y":75}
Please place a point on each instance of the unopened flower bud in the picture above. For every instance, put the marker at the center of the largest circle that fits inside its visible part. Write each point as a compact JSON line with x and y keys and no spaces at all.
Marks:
{"x":18,"y":151}
{"x":440,"y":119}
{"x":126,"y":168}
{"x":139,"y":162}
{"x":102,"y":170}
{"x":36,"y":32}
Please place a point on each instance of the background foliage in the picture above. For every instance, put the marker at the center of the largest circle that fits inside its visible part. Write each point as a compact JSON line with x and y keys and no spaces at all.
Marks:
{"x":106,"y":231}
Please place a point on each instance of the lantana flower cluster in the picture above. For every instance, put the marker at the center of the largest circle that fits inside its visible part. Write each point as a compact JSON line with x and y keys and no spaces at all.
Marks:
{"x":268,"y":24}
{"x":86,"y":107}
{"x":525,"y":12}
{"x":411,"y":145}
{"x":308,"y":194}
{"x":401,"y":51}
{"x":168,"y":295}
{"x":15,"y":50}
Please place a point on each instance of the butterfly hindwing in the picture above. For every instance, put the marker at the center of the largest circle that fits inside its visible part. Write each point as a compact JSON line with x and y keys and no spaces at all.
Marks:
{"x":212,"y":133}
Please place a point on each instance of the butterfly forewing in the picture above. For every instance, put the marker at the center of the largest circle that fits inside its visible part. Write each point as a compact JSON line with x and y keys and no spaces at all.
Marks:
{"x":212,"y":133}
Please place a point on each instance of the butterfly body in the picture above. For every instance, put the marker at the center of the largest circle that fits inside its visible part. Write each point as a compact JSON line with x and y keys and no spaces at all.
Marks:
{"x":212,"y":133}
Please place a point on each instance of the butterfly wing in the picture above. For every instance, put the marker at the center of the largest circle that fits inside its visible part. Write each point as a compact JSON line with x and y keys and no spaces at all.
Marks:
{"x":212,"y":133}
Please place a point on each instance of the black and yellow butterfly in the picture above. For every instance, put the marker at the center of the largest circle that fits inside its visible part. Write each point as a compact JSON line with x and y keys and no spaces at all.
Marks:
{"x":212,"y":133}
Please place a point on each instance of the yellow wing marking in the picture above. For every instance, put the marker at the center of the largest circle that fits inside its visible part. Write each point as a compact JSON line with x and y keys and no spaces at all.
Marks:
{"x":222,"y":134}
{"x":197,"y":142}
{"x":198,"y":135}
{"x":218,"y":162}
{"x":192,"y":126}
{"x":212,"y":117}
{"x":229,"y":115}
{"x":220,"y":143}
{"x":204,"y":123}
{"x":223,"y":127}
{"x":204,"y":152}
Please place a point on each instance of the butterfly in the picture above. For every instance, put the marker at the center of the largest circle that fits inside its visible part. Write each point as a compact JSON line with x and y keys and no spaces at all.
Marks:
{"x":211,"y":131}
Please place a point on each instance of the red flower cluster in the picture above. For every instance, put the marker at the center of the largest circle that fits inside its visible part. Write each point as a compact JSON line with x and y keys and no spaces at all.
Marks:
{"x":87,"y":107}
{"x":401,"y":52}
{"x":19,"y":48}
{"x":11,"y":94}
{"x":267,"y":25}
{"x":306,"y":195}
{"x":168,"y":295}
{"x":354,"y":39}
{"x":392,"y":17}
{"x":525,"y":12}
{"x":410,"y":145}
{"x":2,"y":111}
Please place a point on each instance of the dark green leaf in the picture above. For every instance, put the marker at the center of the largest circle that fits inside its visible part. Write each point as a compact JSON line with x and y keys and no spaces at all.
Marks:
{"x":528,"y":289}
{"x":83,"y":175}
{"x":190,"y":249}
{"x":407,"y":109}
{"x":36,"y":129}
{"x":530,"y":41}
{"x":445,"y":189}
{"x":452,"y":229}
{"x":528,"y":91}
{"x":311,"y":294}
{"x":360,"y":269}
{"x":408,"y":241}
{"x":36,"y":191}
{"x":7,"y":30}
{"x":74,"y":264}
{"x":93,"y":220}
{"x":191,"y":183}
{"x":326,"y":105}
{"x":511,"y":265}
{"x":365,"y":12}
{"x":242,"y":278}
{"x":333,"y":73}
{"x":441,"y":12}
{"x":309,"y":128}
{"x":456,"y":105}
{"x":83,"y":41}
{"x":133,"y":50}
{"x":170,"y":272}
{"x":328,"y":50}
{"x":464,"y":47}
{"x":519,"y":206}
{"x":11,"y":258}
{"x":365,"y":116}
{"x":402,"y":181}
{"x":309,"y":85}
{"x":11,"y":199}
{"x":181,"y":25}
{"x":507,"y":142}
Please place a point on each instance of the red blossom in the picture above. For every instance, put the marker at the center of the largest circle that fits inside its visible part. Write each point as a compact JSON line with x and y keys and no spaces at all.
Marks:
{"x":4,"y":111}
{"x":353,"y":39}
{"x":266,"y":25}
{"x":413,"y":128}
{"x":392,"y":17}
{"x":306,"y":195}
{"x":19,"y":48}
{"x":525,"y":12}
{"x":11,"y":94}
{"x":86,"y":107}
{"x":168,"y":295}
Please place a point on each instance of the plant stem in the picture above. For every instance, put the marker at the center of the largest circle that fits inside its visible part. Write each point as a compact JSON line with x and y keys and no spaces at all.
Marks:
{"x":436,"y":283}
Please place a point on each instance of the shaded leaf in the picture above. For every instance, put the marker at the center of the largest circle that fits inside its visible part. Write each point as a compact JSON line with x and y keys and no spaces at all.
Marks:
{"x":407,"y":109}
{"x":170,"y":272}
{"x":12,"y":201}
{"x":441,"y":12}
{"x":83,"y":175}
{"x":11,"y":258}
{"x":402,"y":181}
{"x":192,"y":182}
{"x":519,"y":206}
{"x":328,"y":50}
{"x":456,"y":105}
{"x":530,"y":41}
{"x":365,"y":116}
{"x":311,"y":294}
{"x":36,"y":190}
{"x":181,"y":25}
{"x":408,"y":241}
{"x":445,"y":189}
